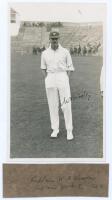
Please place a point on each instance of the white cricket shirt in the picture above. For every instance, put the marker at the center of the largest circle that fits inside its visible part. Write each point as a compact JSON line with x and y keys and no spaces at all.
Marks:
{"x":58,"y":60}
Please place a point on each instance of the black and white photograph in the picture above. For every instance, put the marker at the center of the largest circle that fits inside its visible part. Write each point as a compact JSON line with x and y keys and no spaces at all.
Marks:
{"x":57,"y":73}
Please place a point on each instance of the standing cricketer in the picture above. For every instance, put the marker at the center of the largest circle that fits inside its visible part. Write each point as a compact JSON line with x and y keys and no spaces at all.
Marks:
{"x":56,"y":65}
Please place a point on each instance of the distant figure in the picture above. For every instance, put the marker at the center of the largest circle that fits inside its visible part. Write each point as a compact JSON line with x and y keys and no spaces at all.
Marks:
{"x":84,"y":50}
{"x":79,"y":50}
{"x":71,"y":50}
{"x":75,"y":51}
{"x":34,"y":50}
{"x":43,"y":48}
{"x":90,"y":50}
{"x":97,"y":47}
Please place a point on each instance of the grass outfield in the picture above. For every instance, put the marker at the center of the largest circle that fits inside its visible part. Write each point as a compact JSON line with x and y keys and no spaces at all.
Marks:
{"x":30,"y":122}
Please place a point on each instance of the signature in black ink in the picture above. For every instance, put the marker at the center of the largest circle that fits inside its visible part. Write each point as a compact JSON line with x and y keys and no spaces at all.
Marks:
{"x":79,"y":96}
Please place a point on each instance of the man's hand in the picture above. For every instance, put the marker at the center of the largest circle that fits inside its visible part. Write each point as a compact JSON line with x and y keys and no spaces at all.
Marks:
{"x":44,"y":72}
{"x":68,"y":73}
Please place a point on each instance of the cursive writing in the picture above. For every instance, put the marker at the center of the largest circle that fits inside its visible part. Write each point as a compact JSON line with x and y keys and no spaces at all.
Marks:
{"x":64,"y":182}
{"x":79,"y":96}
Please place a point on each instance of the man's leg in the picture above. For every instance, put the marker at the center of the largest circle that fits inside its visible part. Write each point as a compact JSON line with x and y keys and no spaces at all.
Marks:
{"x":66,"y":108}
{"x":53,"y":103}
{"x":65,"y":98}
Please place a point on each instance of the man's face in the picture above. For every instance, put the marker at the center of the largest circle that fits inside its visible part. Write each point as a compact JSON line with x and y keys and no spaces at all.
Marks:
{"x":54,"y":41}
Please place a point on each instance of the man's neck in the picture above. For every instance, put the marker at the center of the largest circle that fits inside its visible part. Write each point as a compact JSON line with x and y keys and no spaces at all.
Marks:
{"x":54,"y":47}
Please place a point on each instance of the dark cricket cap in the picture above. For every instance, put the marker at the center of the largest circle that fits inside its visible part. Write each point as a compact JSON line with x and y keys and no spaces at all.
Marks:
{"x":54,"y":34}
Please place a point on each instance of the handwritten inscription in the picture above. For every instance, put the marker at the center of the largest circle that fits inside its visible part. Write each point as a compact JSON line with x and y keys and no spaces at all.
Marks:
{"x":78,"y":96}
{"x":64,"y":182}
{"x":55,"y":180}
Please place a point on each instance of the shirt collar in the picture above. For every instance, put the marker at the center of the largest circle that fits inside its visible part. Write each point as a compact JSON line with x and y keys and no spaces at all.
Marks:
{"x":59,"y":46}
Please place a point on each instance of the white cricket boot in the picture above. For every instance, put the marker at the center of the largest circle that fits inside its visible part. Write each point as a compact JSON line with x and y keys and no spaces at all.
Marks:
{"x":54,"y":134}
{"x":70,"y":135}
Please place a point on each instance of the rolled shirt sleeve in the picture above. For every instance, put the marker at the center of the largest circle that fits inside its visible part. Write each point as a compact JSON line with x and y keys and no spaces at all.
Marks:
{"x":69,"y":63}
{"x":43,"y":63}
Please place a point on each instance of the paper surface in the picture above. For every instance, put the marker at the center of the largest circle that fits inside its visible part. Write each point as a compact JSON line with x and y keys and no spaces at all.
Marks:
{"x":33,"y":180}
{"x":27,"y":180}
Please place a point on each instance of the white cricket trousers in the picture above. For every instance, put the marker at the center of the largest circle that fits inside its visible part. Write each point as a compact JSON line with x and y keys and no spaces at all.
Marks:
{"x":57,"y":87}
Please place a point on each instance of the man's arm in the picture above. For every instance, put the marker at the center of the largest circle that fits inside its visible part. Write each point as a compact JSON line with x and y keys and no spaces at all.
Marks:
{"x":69,"y":72}
{"x":70,"y":67}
